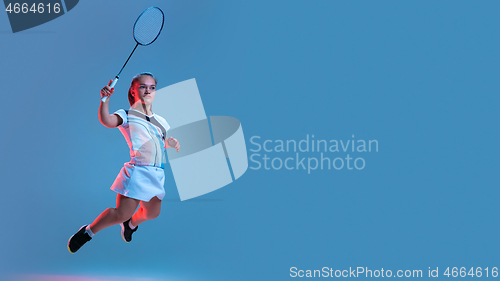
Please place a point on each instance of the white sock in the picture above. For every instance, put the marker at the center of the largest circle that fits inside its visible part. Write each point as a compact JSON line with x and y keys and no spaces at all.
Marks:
{"x":89,"y":231}
{"x":130,"y":224}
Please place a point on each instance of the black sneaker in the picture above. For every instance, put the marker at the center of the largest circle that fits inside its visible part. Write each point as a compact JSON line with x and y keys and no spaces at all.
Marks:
{"x":127,"y":231}
{"x":78,"y":239}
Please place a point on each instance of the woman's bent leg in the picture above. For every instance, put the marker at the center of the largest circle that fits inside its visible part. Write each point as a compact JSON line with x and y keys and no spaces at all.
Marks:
{"x":147,"y":211}
{"x":125,"y":208}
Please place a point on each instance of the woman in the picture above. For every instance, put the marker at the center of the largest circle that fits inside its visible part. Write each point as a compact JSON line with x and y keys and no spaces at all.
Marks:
{"x":140,"y":181}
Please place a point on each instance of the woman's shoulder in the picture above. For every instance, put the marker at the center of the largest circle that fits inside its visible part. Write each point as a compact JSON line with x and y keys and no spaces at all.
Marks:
{"x":122,"y":113}
{"x":121,"y":110}
{"x":159,"y":117}
{"x":162,"y":120}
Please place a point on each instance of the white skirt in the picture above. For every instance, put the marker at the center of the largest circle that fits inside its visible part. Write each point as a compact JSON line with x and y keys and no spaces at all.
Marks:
{"x":140,"y":182}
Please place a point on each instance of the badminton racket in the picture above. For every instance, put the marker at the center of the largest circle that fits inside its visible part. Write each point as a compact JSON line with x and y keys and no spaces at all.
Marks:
{"x":147,"y":28}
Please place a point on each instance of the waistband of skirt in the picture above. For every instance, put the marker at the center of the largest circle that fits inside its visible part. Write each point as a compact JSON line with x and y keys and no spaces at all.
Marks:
{"x":157,"y":165}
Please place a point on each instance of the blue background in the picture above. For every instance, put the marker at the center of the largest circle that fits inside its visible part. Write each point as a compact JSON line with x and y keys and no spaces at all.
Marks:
{"x":421,"y":77}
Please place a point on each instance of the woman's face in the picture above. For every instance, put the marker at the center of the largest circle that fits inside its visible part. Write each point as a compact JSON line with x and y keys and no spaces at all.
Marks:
{"x":144,"y":90}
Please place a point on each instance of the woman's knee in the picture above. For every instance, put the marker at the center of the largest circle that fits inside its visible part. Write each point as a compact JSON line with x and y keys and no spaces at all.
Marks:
{"x":122,"y":215}
{"x":152,"y":214}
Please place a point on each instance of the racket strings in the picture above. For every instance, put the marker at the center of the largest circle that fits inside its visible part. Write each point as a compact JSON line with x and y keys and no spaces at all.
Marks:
{"x":148,"y":26}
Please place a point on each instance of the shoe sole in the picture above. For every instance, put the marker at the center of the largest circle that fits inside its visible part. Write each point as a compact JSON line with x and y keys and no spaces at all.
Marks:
{"x":68,"y":244}
{"x":69,"y":240}
{"x":123,"y":231}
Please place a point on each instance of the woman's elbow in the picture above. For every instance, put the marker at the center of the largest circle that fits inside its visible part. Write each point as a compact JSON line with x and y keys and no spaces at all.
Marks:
{"x":106,"y":123}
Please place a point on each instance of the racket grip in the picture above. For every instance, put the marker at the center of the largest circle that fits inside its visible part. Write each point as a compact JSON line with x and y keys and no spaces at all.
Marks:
{"x":111,"y":86}
{"x":113,"y":83}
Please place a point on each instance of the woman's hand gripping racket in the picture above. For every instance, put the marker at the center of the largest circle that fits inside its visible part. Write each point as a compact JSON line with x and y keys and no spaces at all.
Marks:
{"x":107,"y":91}
{"x":147,"y":28}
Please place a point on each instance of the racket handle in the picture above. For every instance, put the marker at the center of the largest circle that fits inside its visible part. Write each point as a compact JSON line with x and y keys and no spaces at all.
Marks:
{"x":111,"y":86}
{"x":113,"y":83}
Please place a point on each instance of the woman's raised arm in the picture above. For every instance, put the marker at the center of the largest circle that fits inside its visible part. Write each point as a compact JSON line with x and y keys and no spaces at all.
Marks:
{"x":108,"y":120}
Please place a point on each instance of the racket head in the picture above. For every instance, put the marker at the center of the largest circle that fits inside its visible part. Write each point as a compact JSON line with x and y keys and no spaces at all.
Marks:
{"x":148,"y":26}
